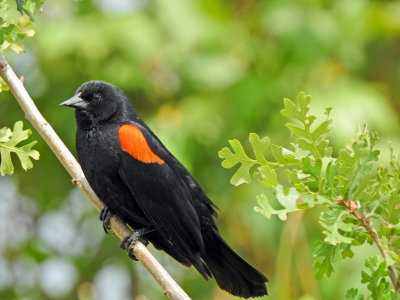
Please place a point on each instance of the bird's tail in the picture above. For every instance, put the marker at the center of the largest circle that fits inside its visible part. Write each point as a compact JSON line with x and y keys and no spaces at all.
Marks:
{"x":232,"y":273}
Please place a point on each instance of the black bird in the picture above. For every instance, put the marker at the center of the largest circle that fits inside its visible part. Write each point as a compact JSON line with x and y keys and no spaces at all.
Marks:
{"x":142,"y":183}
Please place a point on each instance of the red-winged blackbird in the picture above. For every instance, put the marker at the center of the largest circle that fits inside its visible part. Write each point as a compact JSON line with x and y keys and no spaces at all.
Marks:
{"x":142,"y":183}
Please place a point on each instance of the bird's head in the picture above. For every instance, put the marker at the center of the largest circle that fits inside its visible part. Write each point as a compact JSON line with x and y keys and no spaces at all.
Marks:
{"x":96,"y":102}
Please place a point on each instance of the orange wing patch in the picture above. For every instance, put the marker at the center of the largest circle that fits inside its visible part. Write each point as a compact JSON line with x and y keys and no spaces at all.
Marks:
{"x":133,"y":141}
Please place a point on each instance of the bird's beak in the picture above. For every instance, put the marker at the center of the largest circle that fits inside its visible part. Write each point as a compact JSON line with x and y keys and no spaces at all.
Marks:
{"x":76,"y":102}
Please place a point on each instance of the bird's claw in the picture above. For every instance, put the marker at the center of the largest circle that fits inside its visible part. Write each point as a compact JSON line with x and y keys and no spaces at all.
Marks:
{"x":136,"y":236}
{"x":105,"y":216}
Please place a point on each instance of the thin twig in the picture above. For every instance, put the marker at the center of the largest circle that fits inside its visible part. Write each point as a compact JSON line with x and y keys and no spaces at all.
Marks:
{"x":32,"y":114}
{"x":364,"y":222}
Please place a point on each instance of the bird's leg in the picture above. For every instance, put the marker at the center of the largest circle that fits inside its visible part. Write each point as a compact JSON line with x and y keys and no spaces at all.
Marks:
{"x":133,"y":238}
{"x":105,"y":216}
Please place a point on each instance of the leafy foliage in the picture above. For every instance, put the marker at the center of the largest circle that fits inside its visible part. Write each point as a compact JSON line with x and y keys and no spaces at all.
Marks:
{"x":239,"y":156}
{"x":9,"y":141}
{"x":336,"y":230}
{"x":353,"y":191}
{"x":28,"y":7}
{"x":210,"y":63}
{"x":325,"y":256}
{"x":308,"y":139}
{"x":11,"y":35}
{"x":13,"y":32}
{"x":287,"y":201}
{"x":376,"y":281}
{"x":352,"y":294}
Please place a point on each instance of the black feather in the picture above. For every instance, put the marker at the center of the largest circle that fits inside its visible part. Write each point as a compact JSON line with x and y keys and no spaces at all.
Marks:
{"x":163,"y":196}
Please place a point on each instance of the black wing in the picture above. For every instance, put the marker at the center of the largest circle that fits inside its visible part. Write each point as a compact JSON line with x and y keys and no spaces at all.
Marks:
{"x":199,"y":198}
{"x":165,"y":200}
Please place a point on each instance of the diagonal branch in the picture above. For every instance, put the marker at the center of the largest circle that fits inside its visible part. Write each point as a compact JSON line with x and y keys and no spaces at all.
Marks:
{"x":32,"y":114}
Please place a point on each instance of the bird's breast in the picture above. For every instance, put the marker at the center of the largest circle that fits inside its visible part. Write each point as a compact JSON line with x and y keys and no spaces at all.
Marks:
{"x":97,"y":152}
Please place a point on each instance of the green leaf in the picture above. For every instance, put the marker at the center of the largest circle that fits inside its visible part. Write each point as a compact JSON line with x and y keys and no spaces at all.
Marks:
{"x":13,"y":32}
{"x":346,"y":251}
{"x":356,"y":162}
{"x":313,"y":140}
{"x":305,"y":144}
{"x":331,"y":171}
{"x":264,"y":207}
{"x":335,"y":227}
{"x":303,"y":102}
{"x":312,"y":200}
{"x":238,"y":155}
{"x":284,"y":156}
{"x":27,"y":7}
{"x":312,"y":168}
{"x":313,"y":171}
{"x":352,"y":294}
{"x":309,"y":200}
{"x":9,"y":144}
{"x":287,"y":199}
{"x":297,"y":130}
{"x":321,"y":130}
{"x":267,"y":176}
{"x":293,"y":176}
{"x":290,"y":110}
{"x":376,"y":281}
{"x":233,"y":158}
{"x":242,"y":174}
{"x":325,"y":255}
{"x":20,"y":6}
{"x":259,"y":146}
{"x":277,"y":153}
{"x":10,"y":33}
{"x":5,"y":134}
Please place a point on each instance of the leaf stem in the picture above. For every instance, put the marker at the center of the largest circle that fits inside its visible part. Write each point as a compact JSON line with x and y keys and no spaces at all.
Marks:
{"x":364,"y":222}
{"x":13,"y":149}
{"x":269,"y":163}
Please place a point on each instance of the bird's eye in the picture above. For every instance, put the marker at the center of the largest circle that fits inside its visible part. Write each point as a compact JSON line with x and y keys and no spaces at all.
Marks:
{"x":97,"y":97}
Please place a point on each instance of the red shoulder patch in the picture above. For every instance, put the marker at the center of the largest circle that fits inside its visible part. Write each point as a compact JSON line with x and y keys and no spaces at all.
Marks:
{"x":133,"y":141}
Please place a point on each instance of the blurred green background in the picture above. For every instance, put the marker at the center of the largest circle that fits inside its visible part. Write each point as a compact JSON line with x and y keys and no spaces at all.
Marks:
{"x":199,"y":73}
